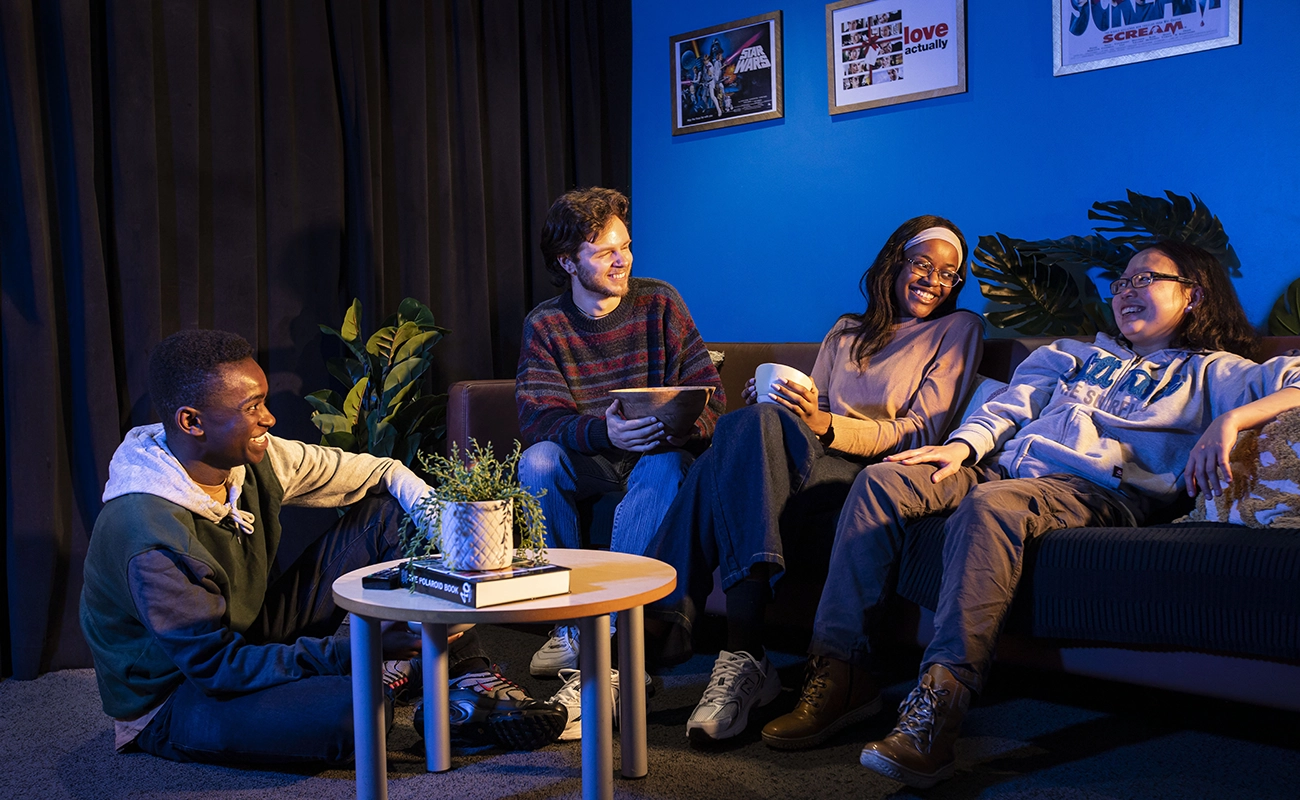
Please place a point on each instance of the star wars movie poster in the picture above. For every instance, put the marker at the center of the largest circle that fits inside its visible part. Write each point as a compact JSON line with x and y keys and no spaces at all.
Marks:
{"x":727,"y":75}
{"x":1092,"y":34}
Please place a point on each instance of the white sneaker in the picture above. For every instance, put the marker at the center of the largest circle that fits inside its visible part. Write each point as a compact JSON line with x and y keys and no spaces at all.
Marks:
{"x":559,"y":653}
{"x":570,"y":696}
{"x":738,"y":684}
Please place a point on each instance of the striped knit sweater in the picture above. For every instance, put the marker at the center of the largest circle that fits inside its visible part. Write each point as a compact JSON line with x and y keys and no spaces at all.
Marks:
{"x":569,"y":362}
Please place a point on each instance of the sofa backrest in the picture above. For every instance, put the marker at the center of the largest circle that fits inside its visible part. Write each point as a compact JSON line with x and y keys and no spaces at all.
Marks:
{"x":485,"y":409}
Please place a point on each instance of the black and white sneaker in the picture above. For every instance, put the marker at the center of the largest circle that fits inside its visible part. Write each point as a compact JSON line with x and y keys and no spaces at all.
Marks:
{"x":739,"y":684}
{"x":485,"y":708}
{"x":403,"y":680}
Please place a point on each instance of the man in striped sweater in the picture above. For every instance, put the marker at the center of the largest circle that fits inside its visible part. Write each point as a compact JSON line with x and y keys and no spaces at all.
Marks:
{"x":607,"y":331}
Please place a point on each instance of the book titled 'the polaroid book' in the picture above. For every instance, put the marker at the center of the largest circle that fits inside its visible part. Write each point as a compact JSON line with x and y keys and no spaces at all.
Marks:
{"x":522,"y":580}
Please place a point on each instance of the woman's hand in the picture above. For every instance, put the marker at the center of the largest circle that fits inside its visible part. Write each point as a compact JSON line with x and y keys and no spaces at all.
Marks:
{"x":1208,"y":469}
{"x":1208,"y":461}
{"x":749,"y":394}
{"x":803,"y":402}
{"x":949,"y":457}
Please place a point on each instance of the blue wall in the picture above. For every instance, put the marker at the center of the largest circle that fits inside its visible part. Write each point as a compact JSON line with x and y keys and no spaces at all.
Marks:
{"x":765,"y":228}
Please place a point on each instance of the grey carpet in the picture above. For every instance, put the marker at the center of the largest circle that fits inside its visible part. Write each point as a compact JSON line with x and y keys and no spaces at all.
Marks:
{"x":1033,"y":735}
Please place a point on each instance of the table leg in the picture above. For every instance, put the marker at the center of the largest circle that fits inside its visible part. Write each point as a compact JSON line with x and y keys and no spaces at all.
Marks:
{"x":368,"y":710}
{"x":631,"y":676}
{"x":597,"y":711}
{"x":437,"y":727}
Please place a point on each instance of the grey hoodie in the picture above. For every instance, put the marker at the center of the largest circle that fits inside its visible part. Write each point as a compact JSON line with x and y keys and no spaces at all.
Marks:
{"x":1124,"y":421}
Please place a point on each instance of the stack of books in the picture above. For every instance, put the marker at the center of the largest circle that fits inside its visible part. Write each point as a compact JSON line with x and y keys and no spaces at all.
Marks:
{"x":522,"y":580}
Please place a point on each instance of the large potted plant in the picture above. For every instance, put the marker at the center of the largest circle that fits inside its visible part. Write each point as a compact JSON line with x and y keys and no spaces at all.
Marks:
{"x":387,"y":411}
{"x":474,"y":511}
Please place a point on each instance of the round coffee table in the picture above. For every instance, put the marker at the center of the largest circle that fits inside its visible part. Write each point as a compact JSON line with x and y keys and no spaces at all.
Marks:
{"x":600,"y":582}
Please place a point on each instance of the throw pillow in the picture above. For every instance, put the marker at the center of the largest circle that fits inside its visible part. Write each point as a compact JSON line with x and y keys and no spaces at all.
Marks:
{"x":984,"y":390}
{"x":717,"y":357}
{"x":1265,"y":468}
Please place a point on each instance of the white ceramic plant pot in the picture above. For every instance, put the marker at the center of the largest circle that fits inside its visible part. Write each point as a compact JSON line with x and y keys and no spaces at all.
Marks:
{"x":478,"y":535}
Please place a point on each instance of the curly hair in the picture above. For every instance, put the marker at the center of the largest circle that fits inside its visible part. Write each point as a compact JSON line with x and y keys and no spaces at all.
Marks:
{"x":1218,"y":322}
{"x":182,"y":368}
{"x":872,"y":328}
{"x":575,"y":217}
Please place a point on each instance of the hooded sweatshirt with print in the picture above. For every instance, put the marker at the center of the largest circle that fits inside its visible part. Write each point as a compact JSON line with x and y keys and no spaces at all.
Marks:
{"x":174,"y":578}
{"x":1101,"y":411}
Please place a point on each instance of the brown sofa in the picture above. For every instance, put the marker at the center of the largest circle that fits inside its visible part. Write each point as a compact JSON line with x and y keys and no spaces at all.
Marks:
{"x":1202,"y":608}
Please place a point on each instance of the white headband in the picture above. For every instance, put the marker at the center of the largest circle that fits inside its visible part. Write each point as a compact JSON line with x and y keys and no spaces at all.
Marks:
{"x":938,"y":233}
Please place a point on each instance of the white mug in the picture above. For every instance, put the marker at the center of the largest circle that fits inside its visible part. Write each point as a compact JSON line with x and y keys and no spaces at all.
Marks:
{"x":767,"y":374}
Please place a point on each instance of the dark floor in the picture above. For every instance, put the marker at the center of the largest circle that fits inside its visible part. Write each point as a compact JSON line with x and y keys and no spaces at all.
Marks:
{"x":1032,"y":735}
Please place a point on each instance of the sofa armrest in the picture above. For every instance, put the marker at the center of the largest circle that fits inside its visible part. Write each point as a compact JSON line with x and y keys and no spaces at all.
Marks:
{"x":483,"y":410}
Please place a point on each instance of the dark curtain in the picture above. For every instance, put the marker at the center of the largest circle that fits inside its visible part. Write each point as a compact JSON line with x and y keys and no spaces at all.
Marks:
{"x":253,"y":166}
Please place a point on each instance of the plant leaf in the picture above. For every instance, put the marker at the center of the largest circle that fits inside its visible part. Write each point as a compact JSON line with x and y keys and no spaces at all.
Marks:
{"x":382,"y":439}
{"x":412,"y":310}
{"x":343,"y":440}
{"x":325,"y":401}
{"x":418,"y":344}
{"x":332,"y":423}
{"x":352,"y":404}
{"x":381,"y":343}
{"x":351,"y":332}
{"x":1045,"y":298}
{"x":407,"y":371}
{"x":1151,"y":219}
{"x":1285,"y":319}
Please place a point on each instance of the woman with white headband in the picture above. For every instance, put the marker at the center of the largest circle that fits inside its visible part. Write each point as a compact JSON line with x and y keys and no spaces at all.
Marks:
{"x":771,"y":485}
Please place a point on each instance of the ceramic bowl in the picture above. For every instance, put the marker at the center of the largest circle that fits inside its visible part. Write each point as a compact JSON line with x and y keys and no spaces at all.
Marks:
{"x":677,"y":407}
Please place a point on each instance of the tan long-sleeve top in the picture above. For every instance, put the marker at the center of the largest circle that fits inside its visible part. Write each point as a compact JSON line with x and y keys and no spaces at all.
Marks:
{"x":905,"y":396}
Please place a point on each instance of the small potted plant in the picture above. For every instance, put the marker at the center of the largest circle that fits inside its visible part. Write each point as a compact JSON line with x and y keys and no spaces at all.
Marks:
{"x":475,"y":508}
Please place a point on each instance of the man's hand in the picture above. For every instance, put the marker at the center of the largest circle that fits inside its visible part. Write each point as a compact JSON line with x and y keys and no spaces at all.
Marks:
{"x":949,"y":457}
{"x":633,"y":435}
{"x":398,"y":642}
{"x":803,"y":402}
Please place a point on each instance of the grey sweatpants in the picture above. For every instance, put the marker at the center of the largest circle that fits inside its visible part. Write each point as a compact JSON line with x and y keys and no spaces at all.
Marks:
{"x":992,"y":518}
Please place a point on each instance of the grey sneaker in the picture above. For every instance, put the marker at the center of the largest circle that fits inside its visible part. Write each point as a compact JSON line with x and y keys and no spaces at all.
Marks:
{"x":559,"y":653}
{"x":403,"y":680}
{"x":739,"y":684}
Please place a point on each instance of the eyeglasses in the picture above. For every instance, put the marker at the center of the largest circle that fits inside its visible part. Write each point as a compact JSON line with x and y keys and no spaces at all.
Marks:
{"x":923,"y":268}
{"x":1143,"y":279}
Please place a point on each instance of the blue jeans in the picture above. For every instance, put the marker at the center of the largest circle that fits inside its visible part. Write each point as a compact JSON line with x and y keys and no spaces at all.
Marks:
{"x":307,"y":720}
{"x":650,"y":480}
{"x":766,"y":491}
{"x":984,"y":542}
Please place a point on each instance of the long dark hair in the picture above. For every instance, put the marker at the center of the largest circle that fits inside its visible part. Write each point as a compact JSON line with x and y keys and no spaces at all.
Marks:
{"x":873,"y":328}
{"x":1218,"y":322}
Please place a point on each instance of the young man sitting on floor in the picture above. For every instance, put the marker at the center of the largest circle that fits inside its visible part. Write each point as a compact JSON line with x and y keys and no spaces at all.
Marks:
{"x":204,"y":650}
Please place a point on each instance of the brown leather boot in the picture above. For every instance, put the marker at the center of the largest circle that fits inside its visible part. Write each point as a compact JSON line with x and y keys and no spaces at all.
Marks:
{"x":919,"y":751}
{"x":835,"y":695}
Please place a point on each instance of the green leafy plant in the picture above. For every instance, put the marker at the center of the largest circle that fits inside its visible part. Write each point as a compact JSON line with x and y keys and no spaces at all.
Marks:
{"x":1285,"y":319}
{"x":1048,"y":287}
{"x":386,"y":411}
{"x":478,"y":476}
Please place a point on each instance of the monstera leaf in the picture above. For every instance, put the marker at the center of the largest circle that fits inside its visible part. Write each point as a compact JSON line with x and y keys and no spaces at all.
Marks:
{"x":1285,"y":319}
{"x":1044,"y":298}
{"x":1050,"y":285}
{"x":1150,"y":219}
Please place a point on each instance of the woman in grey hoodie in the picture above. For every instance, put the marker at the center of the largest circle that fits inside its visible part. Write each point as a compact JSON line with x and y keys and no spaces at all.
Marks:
{"x":1087,"y":434}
